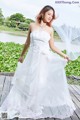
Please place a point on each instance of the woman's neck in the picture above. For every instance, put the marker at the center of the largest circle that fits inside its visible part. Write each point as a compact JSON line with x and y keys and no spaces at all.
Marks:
{"x":43,"y":24}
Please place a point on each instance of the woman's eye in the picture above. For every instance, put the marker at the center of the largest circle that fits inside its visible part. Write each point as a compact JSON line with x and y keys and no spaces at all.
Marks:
{"x":48,"y":14}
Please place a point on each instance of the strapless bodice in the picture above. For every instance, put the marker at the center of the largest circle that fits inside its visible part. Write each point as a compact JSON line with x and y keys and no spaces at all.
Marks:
{"x":39,"y":39}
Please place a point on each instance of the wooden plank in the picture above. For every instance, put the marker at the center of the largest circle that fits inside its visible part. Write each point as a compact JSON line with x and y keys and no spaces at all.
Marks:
{"x":77,"y":105}
{"x":2,"y":78}
{"x":16,"y":118}
{"x":7,"y":84}
{"x":49,"y":118}
{"x":78,"y":86}
{"x":75,"y":100}
{"x":2,"y":81}
{"x":6,"y":89}
{"x":75,"y":93}
{"x":68,"y":118}
{"x":58,"y":119}
{"x":75,"y":117}
{"x":76,"y":89}
{"x":27,"y":119}
{"x":78,"y":112}
{"x":64,"y":119}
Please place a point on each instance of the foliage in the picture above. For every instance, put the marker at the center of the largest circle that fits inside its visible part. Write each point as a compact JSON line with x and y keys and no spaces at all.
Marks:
{"x":23,"y":27}
{"x":17,"y":17}
{"x":28,"y":21}
{"x":1,"y":17}
{"x":73,"y":67}
{"x":12,"y":24}
{"x":18,"y":21}
{"x":10,"y":52}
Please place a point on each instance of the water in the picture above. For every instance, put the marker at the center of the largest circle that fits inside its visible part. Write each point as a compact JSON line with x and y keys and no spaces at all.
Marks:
{"x":5,"y":37}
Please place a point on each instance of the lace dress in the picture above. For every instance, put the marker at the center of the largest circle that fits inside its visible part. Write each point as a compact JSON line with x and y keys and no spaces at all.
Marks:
{"x":40,"y":86}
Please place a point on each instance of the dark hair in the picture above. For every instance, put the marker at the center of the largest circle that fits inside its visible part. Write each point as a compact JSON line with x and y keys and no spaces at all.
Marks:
{"x":42,"y":13}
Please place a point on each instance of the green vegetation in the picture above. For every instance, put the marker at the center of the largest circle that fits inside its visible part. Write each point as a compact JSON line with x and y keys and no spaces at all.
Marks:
{"x":17,"y":24}
{"x":10,"y":52}
{"x":72,"y":81}
{"x":73,"y":67}
{"x":17,"y":21}
{"x":17,"y":17}
{"x":13,"y":31}
{"x":1,"y":17}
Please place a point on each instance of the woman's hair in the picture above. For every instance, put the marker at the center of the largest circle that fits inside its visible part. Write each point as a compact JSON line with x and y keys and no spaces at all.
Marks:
{"x":42,"y":13}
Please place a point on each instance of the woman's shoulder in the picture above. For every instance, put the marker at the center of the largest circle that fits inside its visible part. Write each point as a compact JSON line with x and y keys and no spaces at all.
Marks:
{"x":32,"y":25}
{"x":51,"y":30}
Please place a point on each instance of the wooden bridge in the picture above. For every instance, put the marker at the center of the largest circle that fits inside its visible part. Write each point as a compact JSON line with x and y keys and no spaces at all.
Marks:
{"x":5,"y":85}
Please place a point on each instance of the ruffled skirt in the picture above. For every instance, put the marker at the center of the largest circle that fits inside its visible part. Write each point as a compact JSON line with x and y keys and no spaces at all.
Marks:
{"x":39,"y":88}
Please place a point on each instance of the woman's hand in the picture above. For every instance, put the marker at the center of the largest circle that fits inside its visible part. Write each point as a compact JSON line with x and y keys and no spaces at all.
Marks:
{"x":66,"y":57}
{"x":21,"y":59}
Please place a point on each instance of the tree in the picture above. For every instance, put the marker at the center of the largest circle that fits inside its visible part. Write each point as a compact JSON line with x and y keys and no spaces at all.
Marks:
{"x":12,"y":24}
{"x":1,"y":17}
{"x":18,"y":17}
{"x":23,"y":27}
{"x":7,"y":22}
{"x":28,"y":20}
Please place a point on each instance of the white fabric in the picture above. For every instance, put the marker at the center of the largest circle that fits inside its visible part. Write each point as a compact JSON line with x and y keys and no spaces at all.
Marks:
{"x":40,"y":86}
{"x":67,"y":25}
{"x":70,"y":36}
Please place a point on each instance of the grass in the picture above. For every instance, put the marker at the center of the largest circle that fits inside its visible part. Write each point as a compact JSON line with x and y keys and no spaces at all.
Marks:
{"x":13,"y":31}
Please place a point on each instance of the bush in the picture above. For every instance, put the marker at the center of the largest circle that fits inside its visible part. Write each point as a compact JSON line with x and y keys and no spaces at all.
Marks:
{"x":23,"y":26}
{"x":13,"y":24}
{"x":7,"y":23}
{"x":10,"y":52}
{"x":10,"y":24}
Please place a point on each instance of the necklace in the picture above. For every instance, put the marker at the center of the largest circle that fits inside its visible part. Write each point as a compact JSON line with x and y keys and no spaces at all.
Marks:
{"x":42,"y":26}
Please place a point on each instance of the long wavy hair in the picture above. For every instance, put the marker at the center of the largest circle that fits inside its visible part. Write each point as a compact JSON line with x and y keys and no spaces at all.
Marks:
{"x":41,"y":14}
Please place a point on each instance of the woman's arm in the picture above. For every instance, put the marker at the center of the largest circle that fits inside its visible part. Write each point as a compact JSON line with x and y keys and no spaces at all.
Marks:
{"x":54,"y":48}
{"x":27,"y":43}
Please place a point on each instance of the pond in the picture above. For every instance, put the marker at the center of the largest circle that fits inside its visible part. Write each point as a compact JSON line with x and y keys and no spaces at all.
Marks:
{"x":5,"y":37}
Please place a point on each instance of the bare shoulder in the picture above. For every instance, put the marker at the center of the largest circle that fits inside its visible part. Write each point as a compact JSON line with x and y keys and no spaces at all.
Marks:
{"x":32,"y":25}
{"x":51,"y":30}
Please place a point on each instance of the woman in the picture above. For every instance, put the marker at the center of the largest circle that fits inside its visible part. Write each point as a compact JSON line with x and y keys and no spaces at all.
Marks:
{"x":40,"y":86}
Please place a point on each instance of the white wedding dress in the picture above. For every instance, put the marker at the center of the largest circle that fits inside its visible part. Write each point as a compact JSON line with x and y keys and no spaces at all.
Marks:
{"x":40,"y":86}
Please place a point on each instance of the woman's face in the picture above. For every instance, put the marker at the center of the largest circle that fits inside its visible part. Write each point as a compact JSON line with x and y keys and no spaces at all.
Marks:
{"x":48,"y":15}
